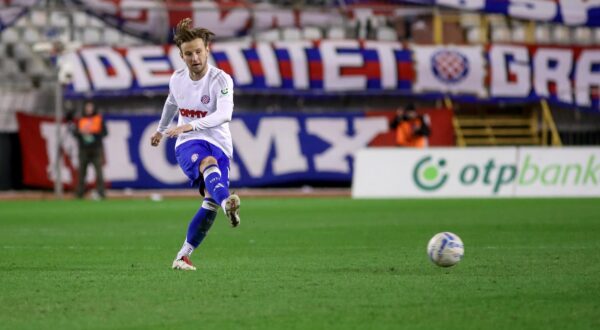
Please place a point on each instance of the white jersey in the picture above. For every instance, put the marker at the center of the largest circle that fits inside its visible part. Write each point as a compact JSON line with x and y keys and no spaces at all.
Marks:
{"x":206,"y":104}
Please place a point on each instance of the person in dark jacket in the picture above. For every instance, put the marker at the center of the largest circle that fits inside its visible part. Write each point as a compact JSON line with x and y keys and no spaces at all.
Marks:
{"x":412,"y":128}
{"x":90,"y":130}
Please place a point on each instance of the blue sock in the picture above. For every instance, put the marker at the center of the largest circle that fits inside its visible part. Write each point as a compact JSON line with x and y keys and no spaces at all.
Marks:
{"x":212,"y":181}
{"x":201,"y":222}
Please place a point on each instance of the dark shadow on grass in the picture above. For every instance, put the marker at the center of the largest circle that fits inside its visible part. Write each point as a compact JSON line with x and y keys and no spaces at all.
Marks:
{"x":391,"y":270}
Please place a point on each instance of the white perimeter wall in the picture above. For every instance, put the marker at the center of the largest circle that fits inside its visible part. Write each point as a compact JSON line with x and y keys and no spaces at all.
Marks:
{"x":476,"y":172}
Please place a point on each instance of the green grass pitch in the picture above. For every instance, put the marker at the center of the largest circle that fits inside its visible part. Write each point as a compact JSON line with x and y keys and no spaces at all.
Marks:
{"x":329,"y":263}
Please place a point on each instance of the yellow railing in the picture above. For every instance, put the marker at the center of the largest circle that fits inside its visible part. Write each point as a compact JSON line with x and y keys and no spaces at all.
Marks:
{"x":498,"y":130}
{"x":549,"y":125}
{"x":491,"y":129}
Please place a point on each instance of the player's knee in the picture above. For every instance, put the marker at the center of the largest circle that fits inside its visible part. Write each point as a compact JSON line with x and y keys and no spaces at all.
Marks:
{"x":210,"y":160}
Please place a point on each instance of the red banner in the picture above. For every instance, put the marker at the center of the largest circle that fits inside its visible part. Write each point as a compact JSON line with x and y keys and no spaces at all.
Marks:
{"x":33,"y":151}
{"x":38,"y":152}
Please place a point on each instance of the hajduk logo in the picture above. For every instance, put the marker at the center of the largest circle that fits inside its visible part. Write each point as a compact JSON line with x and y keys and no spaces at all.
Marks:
{"x":205,"y":99}
{"x":449,"y":66}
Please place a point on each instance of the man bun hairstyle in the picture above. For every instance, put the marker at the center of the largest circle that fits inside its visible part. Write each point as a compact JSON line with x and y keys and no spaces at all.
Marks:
{"x":184,"y":32}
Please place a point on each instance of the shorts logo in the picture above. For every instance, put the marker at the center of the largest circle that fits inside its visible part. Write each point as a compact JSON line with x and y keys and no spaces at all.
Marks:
{"x":205,"y":99}
{"x":194,"y":158}
{"x":449,"y":66}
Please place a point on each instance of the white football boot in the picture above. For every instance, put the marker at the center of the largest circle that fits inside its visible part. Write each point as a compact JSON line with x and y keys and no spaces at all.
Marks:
{"x":232,"y":209}
{"x":183,"y":264}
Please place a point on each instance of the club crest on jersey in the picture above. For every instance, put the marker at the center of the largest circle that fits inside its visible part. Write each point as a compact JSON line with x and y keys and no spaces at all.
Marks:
{"x":194,"y":158}
{"x":205,"y":99}
{"x":224,"y":91}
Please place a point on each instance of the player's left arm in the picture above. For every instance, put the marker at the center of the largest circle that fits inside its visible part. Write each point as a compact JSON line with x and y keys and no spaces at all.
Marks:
{"x":223,"y":90}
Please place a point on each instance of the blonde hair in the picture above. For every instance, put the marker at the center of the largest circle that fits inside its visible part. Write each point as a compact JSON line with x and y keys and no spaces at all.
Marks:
{"x":184,"y":32}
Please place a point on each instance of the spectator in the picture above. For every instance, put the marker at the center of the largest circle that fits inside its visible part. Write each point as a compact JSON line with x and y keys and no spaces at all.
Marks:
{"x":89,"y":130}
{"x":412,"y":128}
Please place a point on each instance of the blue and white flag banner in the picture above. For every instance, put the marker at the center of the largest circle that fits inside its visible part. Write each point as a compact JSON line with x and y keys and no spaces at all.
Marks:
{"x":498,"y":72}
{"x":567,"y":12}
{"x":12,"y":10}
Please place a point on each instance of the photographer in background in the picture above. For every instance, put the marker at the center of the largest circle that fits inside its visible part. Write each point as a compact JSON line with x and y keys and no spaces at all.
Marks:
{"x":412,"y":128}
{"x":89,"y":130}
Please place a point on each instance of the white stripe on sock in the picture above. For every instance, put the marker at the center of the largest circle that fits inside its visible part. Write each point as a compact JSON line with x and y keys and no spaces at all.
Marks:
{"x":210,"y":170}
{"x":210,"y":206}
{"x":186,"y":250}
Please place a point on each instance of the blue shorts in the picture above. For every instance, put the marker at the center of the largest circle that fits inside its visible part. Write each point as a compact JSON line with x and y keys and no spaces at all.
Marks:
{"x":189,"y":155}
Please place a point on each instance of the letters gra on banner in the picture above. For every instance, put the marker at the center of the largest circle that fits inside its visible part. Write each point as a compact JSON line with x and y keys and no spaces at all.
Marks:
{"x":514,"y":68}
{"x":511,"y":74}
{"x":587,"y":77}
{"x":554,"y":67}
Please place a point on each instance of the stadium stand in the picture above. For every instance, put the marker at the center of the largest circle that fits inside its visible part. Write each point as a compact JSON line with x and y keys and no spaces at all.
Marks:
{"x":542,"y":34}
{"x":312,"y":33}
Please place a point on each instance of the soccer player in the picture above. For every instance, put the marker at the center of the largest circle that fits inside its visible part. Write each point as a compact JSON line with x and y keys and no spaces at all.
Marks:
{"x":203,"y":96}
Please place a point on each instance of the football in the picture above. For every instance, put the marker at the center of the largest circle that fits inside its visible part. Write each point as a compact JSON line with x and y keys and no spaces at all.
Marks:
{"x":445,"y":249}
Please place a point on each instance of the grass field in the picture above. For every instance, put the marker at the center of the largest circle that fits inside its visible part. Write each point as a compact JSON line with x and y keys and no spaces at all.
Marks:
{"x":301,"y":264}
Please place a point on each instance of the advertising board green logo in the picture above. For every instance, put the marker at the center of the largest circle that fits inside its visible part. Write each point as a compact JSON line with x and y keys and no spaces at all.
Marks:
{"x":427,"y":174}
{"x":504,"y":175}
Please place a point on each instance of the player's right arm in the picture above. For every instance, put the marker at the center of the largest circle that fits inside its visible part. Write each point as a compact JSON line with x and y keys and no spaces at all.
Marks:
{"x":168,"y":113}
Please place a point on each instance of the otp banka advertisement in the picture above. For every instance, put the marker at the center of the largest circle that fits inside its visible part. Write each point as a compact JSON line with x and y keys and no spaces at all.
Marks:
{"x":477,"y":172}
